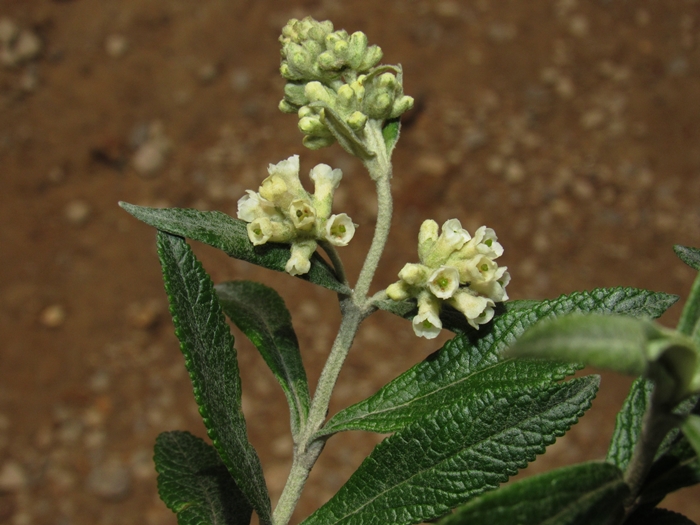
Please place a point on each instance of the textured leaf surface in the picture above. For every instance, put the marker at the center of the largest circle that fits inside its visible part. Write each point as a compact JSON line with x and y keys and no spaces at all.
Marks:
{"x":260,"y":313}
{"x":616,"y":343}
{"x":690,"y":256}
{"x":442,"y":460}
{"x":230,"y":235}
{"x":628,"y":425}
{"x":691,"y":430}
{"x":585,"y":494}
{"x":195,"y":484}
{"x":210,"y":358}
{"x":472,"y":360}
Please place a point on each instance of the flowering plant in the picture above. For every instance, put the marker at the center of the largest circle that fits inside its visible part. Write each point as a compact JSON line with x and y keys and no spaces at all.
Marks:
{"x":464,"y":420}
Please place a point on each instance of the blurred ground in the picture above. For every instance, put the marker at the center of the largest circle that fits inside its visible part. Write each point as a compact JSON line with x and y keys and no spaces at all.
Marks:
{"x":568,"y":126}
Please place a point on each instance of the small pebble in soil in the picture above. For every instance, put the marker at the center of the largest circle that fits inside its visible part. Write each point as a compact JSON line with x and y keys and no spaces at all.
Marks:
{"x":110,"y":481}
{"x":77,"y":212}
{"x":53,"y":316}
{"x":116,"y":45}
{"x":150,"y":157}
{"x":12,"y":476}
{"x":145,"y":315}
{"x":17,"y":46}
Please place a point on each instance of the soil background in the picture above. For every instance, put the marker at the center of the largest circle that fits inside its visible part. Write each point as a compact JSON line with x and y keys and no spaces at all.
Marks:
{"x":568,"y":126}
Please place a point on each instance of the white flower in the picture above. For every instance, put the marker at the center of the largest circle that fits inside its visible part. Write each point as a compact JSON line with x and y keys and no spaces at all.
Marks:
{"x":427,"y":322}
{"x":399,"y":291}
{"x":452,"y":238}
{"x":326,"y":180}
{"x":427,"y":236}
{"x":262,"y":230}
{"x":455,"y":236}
{"x":443,"y":282}
{"x":299,"y":261}
{"x":414,"y":274}
{"x":302,"y":214}
{"x":494,"y":289}
{"x":484,"y":242}
{"x":282,"y":186}
{"x":252,"y":206}
{"x":339,"y":229}
{"x":478,"y":269}
{"x":477,"y":310}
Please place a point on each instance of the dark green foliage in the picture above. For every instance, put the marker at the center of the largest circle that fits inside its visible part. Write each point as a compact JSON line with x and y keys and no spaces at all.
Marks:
{"x":472,"y":362}
{"x":260,"y":313}
{"x":585,"y":494}
{"x":443,"y":459}
{"x":230,"y":235}
{"x":210,"y":358}
{"x":195,"y":484}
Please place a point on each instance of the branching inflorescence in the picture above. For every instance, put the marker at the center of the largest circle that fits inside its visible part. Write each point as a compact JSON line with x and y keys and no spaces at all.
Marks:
{"x":463,"y":420}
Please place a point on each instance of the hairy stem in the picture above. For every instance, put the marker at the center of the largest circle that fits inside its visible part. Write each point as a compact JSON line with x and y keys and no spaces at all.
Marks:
{"x":335,"y":260}
{"x":354,"y":309}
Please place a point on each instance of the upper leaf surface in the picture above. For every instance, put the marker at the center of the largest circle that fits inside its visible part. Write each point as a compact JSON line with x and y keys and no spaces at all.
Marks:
{"x":210,"y":358}
{"x":195,"y":484}
{"x":261,"y":315}
{"x":628,"y":425}
{"x":470,"y":361}
{"x":584,"y":494}
{"x":230,"y":235}
{"x":450,"y":456}
{"x":690,"y":256}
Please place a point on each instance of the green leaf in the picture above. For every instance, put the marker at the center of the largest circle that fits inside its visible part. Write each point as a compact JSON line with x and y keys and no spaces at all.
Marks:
{"x":612,"y":342}
{"x":260,"y":313}
{"x":690,"y":256}
{"x":584,"y":494}
{"x":444,"y":459}
{"x":195,"y":484}
{"x":472,"y":361}
{"x":210,"y":358}
{"x":622,"y":344}
{"x":628,"y":425}
{"x":691,"y":430}
{"x":391,"y":132}
{"x":230,"y":235}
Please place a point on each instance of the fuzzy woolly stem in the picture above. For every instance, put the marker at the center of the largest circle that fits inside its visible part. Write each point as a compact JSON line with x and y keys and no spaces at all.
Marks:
{"x":354,"y":309}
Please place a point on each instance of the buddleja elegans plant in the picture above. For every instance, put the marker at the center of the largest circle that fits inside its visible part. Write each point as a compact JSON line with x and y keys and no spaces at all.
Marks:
{"x":462,"y":421}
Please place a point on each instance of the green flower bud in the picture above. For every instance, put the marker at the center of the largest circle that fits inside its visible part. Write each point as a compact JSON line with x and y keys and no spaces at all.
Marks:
{"x":313,"y":126}
{"x":317,"y":92}
{"x":357,"y":120}
{"x":286,"y":107}
{"x":371,"y":58}
{"x":401,"y":106}
{"x":315,"y":142}
{"x":294,"y":94}
{"x":357,"y":49}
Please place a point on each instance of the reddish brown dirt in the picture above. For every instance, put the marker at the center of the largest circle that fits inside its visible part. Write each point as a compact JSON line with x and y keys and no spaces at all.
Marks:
{"x":568,"y":126}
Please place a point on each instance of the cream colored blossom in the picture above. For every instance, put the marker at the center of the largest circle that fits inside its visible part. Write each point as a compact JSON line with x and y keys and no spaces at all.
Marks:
{"x":299,"y":262}
{"x":443,"y":282}
{"x":339,"y":229}
{"x":427,"y":322}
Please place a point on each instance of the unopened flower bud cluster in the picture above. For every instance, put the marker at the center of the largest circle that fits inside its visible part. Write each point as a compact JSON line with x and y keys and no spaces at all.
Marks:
{"x":332,"y":71}
{"x":283,"y":211}
{"x":454,"y":267}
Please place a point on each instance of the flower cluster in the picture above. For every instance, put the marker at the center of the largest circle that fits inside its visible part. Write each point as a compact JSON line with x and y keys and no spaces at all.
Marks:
{"x":283,"y":211}
{"x":454,"y":267}
{"x":331,"y":71}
